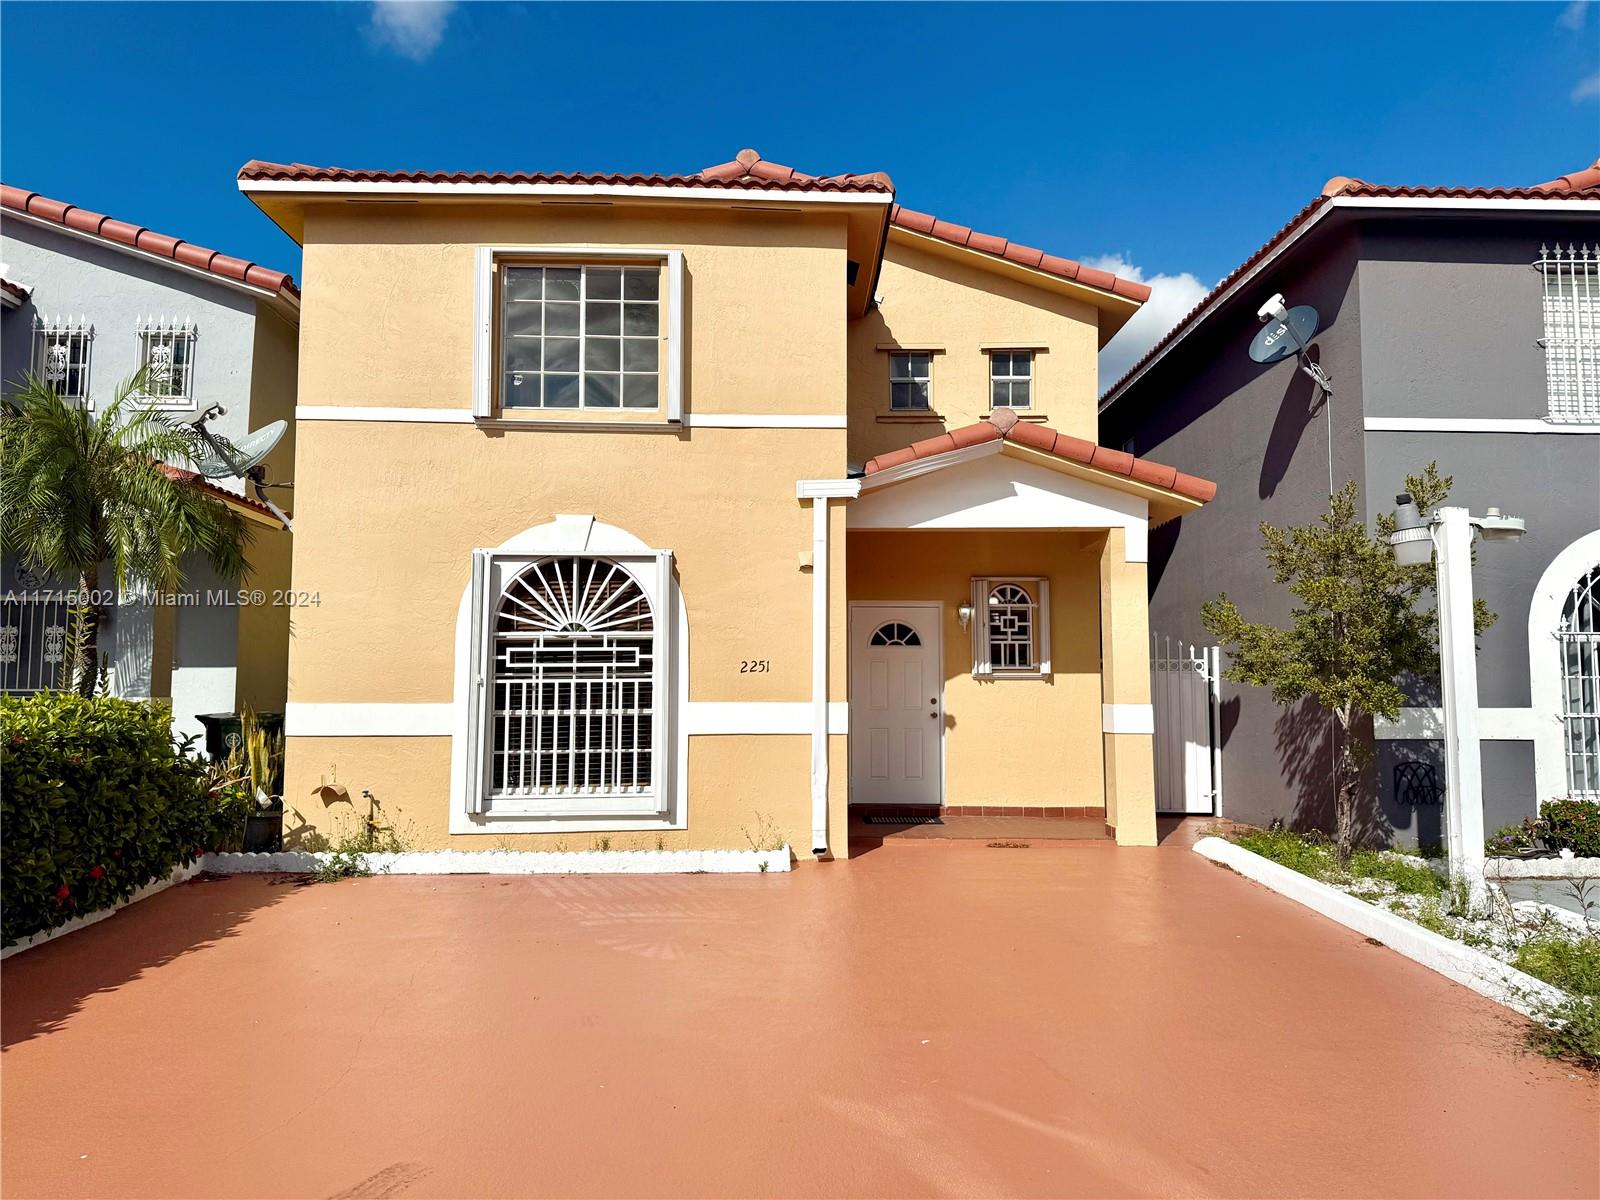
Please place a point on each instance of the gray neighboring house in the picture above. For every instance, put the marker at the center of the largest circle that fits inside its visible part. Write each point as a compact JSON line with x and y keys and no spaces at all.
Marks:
{"x":86,"y":301}
{"x":1458,"y":325}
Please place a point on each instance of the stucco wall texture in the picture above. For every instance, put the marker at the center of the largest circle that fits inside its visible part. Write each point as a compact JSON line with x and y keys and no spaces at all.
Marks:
{"x":389,"y":512}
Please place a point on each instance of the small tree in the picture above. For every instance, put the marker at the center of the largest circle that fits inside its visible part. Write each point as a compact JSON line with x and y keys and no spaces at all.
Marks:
{"x":1356,"y":629}
{"x":78,"y":489}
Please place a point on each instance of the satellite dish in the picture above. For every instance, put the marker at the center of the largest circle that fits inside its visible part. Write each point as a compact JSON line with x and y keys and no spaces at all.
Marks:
{"x":223,"y":458}
{"x":1282,"y":338}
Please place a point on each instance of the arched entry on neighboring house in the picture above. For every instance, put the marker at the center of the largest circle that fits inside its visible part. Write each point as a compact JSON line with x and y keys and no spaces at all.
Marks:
{"x":1564,"y":672}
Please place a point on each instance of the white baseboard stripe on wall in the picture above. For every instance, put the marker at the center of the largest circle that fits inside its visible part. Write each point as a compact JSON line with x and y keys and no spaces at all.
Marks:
{"x":438,"y":720}
{"x":1127,"y":718}
{"x":463,"y":416}
{"x":1477,"y":425}
{"x":520,"y":862}
{"x":1454,"y":960}
{"x":179,"y":875}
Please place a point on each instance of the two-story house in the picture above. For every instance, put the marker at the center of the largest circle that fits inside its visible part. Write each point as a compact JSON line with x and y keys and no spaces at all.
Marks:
{"x":88,"y":302}
{"x":667,"y":508}
{"x":1457,"y":325}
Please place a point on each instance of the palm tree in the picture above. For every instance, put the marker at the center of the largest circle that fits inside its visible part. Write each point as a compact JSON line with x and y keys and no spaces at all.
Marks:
{"x":78,"y":489}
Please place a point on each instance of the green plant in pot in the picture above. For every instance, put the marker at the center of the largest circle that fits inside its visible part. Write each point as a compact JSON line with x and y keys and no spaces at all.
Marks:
{"x":258,"y":760}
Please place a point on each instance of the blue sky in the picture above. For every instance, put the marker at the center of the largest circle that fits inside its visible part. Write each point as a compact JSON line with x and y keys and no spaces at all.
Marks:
{"x":1173,"y":137}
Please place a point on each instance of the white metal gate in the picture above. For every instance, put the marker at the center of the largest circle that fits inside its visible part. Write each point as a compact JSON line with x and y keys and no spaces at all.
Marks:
{"x":1188,"y":751}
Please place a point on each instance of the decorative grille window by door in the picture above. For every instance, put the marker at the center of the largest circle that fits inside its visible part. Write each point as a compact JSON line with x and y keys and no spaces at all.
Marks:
{"x":61,"y":355}
{"x":1011,"y":627}
{"x":573,"y":682}
{"x":167,"y":358}
{"x":894,"y":634}
{"x":1579,"y":638}
{"x":580,"y":337}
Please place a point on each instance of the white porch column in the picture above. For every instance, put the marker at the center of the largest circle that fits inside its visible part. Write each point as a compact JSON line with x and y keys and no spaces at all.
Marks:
{"x":1458,"y":669}
{"x":819,"y":492}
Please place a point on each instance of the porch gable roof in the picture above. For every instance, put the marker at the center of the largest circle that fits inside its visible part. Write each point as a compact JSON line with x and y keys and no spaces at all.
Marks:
{"x":1171,"y":492}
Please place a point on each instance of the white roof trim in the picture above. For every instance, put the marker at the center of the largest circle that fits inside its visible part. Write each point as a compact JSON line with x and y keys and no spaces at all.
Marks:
{"x":1212,"y":303}
{"x":601,"y":190}
{"x":158,"y":259}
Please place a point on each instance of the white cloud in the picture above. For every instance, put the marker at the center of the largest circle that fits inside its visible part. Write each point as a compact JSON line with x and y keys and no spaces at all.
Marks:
{"x":1587,"y":87}
{"x":412,"y":28}
{"x":1171,"y":298}
{"x":1574,"y":15}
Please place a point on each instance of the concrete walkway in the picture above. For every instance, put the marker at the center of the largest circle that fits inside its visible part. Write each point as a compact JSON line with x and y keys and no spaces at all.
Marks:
{"x":1064,"y":1020}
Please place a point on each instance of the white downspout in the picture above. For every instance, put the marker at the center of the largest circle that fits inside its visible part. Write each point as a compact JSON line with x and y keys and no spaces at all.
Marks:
{"x":819,"y":675}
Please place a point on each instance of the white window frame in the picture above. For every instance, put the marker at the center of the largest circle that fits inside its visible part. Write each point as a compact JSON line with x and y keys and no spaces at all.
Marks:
{"x":1038,"y":589}
{"x":485,"y":365}
{"x":157,"y":331}
{"x":77,"y":335}
{"x":926,"y":378}
{"x":491,"y":571}
{"x":1570,"y":303}
{"x":1011,"y":378}
{"x":1578,"y":642}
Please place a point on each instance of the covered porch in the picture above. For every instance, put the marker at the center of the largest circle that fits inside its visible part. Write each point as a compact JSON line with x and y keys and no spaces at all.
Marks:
{"x":996,"y":640}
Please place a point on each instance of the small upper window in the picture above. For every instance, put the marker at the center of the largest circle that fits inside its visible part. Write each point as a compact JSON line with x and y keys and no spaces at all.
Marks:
{"x":580,"y":337}
{"x":167,"y":359}
{"x":910,"y":382}
{"x":1571,"y":339}
{"x":1011,"y":379}
{"x":61,"y":355}
{"x":895,"y":633}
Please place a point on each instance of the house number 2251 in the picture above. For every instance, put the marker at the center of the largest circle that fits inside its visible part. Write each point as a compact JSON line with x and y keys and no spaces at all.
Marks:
{"x":755,"y":666}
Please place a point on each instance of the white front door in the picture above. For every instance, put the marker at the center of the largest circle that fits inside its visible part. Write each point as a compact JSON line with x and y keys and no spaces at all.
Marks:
{"x":896,"y":704}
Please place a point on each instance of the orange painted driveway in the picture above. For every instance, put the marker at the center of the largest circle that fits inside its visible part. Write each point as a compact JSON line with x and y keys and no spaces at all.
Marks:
{"x":935,"y":1019}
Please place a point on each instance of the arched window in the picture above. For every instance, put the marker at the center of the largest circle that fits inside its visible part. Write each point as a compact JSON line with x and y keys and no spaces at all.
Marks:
{"x":895,"y":634}
{"x":1012,"y":617}
{"x":574,"y":682}
{"x":1011,"y":628}
{"x":1579,"y":637}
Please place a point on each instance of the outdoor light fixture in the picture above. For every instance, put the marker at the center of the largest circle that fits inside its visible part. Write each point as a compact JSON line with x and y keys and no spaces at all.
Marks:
{"x":964,"y":613}
{"x":1447,"y":535}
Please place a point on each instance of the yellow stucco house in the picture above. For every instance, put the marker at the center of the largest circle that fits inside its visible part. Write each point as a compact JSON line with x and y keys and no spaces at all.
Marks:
{"x":662,"y":508}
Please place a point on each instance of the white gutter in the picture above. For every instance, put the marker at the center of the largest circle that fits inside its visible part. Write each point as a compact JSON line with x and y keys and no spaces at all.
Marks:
{"x":1337,"y":202}
{"x":819,"y":492}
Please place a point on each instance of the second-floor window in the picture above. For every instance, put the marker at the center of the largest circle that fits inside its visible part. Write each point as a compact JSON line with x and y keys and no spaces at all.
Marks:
{"x":910,"y":382}
{"x":1011,"y":379}
{"x":1571,"y":285}
{"x":580,"y":337}
{"x":61,"y":355}
{"x":166,"y":356}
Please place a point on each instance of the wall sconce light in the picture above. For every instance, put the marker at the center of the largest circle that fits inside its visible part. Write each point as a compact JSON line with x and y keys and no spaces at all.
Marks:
{"x":964,"y":614}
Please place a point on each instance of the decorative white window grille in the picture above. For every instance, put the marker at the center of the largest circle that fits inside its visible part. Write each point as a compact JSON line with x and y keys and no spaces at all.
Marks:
{"x":1579,"y":639}
{"x":910,"y":382}
{"x":1011,"y":379}
{"x":572,"y":707}
{"x":1571,"y":282}
{"x":894,"y":633}
{"x":580,"y":337}
{"x":61,"y":355}
{"x":1011,"y":628}
{"x":167,"y":359}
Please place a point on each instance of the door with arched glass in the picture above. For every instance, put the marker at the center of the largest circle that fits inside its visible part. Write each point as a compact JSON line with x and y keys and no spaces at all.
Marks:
{"x":896,"y":704}
{"x":1579,"y":638}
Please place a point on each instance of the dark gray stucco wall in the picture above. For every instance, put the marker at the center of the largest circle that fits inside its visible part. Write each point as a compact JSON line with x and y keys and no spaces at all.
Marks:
{"x":1259,"y":433}
{"x":1422,"y":318}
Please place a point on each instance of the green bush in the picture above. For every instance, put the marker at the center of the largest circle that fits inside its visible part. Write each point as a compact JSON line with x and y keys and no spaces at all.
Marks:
{"x":1571,"y":1031}
{"x":1418,"y":879}
{"x":97,"y":801}
{"x":1571,"y":825}
{"x":1509,"y":839}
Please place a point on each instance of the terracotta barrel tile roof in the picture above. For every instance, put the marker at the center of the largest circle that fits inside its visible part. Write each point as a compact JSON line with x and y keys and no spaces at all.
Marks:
{"x":136,"y":237}
{"x":216,"y":491}
{"x":1064,"y":446}
{"x":1579,"y":185}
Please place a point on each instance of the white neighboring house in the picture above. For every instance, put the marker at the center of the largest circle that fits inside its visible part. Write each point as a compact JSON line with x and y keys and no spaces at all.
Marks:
{"x":86,"y":301}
